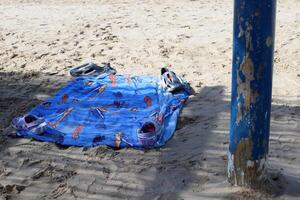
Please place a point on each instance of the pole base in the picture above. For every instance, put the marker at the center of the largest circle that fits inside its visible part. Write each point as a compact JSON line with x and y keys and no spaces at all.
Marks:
{"x":242,"y":171}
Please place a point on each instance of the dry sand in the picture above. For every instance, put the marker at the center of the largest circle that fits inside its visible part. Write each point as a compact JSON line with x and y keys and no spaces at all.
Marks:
{"x":41,"y":40}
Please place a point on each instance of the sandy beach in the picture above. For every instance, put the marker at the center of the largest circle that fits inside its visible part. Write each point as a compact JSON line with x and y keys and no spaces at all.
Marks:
{"x":42,"y":40}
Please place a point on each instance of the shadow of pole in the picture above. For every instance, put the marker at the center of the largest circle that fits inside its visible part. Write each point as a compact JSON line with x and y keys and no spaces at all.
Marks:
{"x":196,"y":155}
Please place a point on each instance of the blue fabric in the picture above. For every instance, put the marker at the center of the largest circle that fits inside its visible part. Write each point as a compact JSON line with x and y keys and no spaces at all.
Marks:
{"x":109,"y":110}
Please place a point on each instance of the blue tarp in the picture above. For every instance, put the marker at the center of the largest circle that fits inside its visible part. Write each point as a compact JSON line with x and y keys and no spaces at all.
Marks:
{"x":114,"y":110}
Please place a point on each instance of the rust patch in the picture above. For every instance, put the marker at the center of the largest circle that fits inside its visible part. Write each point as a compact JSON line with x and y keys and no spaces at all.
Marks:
{"x":243,"y":153}
{"x":248,"y":37}
{"x":246,"y":171}
{"x":247,"y":68}
{"x":244,"y":87}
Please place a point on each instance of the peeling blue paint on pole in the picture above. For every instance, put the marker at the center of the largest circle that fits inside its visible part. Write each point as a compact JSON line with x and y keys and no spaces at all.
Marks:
{"x":253,"y":52}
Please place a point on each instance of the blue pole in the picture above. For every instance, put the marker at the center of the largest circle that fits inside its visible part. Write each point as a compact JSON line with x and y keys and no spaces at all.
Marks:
{"x":253,"y":49}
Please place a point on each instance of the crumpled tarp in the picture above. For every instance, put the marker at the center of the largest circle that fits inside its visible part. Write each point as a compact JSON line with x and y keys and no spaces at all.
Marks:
{"x":109,"y":110}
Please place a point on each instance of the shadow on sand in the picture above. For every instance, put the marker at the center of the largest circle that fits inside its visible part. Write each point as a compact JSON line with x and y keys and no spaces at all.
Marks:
{"x":191,"y":166}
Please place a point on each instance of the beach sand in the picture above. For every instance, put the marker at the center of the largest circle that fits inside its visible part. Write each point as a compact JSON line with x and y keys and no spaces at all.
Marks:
{"x":41,"y":40}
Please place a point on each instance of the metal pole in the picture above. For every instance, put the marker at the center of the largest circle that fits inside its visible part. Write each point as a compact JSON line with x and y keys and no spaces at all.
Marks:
{"x":253,"y":50}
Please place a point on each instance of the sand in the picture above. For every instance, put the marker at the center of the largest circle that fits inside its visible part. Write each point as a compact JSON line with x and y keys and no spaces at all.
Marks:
{"x":41,"y":40}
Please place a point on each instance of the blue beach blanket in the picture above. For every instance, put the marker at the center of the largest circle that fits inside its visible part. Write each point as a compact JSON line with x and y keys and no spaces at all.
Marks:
{"x":114,"y":110}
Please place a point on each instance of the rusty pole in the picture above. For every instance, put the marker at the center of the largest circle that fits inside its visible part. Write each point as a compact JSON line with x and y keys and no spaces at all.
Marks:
{"x":253,"y":50}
